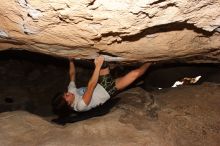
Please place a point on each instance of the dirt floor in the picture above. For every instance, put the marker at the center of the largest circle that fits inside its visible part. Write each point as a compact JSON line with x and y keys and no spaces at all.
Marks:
{"x":182,"y":116}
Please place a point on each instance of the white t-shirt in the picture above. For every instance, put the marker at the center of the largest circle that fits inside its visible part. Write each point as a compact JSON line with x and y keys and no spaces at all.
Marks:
{"x":99,"y":96}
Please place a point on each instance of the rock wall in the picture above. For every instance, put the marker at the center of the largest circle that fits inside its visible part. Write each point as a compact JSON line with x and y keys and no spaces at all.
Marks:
{"x":146,"y":30}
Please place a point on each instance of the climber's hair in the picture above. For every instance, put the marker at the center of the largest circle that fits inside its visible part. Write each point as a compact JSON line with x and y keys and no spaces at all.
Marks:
{"x":59,"y":104}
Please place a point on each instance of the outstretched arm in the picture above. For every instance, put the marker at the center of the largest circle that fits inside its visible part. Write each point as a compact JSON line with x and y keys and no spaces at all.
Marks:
{"x":72,"y":71}
{"x":93,"y":80}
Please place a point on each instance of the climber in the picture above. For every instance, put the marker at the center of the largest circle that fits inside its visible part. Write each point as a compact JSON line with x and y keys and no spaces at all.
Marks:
{"x":100,"y":88}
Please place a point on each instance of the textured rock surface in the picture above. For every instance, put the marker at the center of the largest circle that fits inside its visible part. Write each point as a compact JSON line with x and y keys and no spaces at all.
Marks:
{"x":135,"y":30}
{"x":181,"y":116}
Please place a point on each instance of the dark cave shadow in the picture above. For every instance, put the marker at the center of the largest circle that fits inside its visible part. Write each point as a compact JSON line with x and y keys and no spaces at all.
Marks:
{"x":34,"y":57}
{"x":167,"y":28}
{"x":166,"y":74}
{"x":23,"y":63}
{"x":80,"y":116}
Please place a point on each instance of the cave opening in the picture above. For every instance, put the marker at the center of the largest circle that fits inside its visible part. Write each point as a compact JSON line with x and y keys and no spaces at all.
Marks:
{"x":29,"y":81}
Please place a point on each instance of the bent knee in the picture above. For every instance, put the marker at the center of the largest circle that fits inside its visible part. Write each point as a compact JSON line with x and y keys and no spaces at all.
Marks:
{"x":104,"y":71}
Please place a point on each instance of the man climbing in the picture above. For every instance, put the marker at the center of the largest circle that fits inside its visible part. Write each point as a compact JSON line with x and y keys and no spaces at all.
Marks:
{"x":101,"y":86}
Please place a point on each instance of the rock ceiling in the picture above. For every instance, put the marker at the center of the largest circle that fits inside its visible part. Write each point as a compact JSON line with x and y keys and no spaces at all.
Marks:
{"x":146,"y":30}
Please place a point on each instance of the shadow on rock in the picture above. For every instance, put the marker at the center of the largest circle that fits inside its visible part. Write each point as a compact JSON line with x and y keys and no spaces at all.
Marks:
{"x":80,"y":116}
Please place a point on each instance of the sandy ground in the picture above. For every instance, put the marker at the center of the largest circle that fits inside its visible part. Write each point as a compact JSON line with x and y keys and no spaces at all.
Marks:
{"x":182,"y":116}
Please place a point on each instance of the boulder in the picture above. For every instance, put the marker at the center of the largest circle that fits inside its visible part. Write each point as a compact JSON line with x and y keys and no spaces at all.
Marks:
{"x":142,"y":30}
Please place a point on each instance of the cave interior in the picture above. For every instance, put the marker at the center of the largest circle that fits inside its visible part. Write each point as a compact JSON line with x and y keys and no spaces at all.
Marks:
{"x":29,"y":81}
